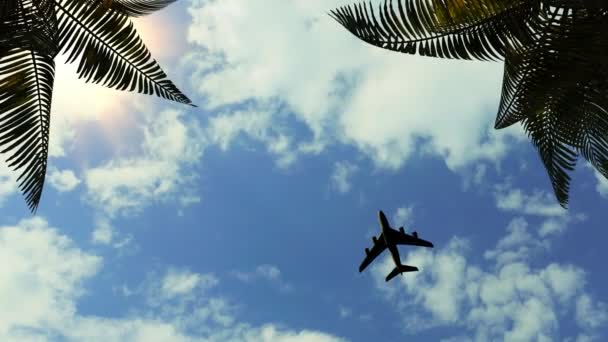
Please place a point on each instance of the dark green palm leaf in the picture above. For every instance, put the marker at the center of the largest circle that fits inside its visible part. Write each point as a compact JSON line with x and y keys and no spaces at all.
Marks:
{"x":25,"y":102}
{"x":568,"y":116}
{"x":137,"y":8}
{"x":100,"y":34}
{"x":555,"y":75}
{"x":7,"y":9}
{"x":110,"y":51}
{"x":414,"y":27}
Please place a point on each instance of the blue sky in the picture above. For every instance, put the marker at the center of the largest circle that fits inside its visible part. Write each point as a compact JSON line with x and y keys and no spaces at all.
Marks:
{"x":246,"y":219}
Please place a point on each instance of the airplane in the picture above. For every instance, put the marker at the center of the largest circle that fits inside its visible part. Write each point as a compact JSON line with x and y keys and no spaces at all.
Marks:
{"x":390,"y":238}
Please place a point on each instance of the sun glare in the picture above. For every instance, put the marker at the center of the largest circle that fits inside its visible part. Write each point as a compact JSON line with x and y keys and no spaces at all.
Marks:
{"x":77,"y":104}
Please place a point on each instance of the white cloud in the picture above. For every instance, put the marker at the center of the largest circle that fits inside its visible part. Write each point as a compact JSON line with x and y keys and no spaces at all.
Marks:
{"x":517,"y":245}
{"x":182,"y":282}
{"x":256,"y":123}
{"x":41,"y":278}
{"x":270,"y":333}
{"x":341,"y":176}
{"x":589,"y":313}
{"x":474,"y":175}
{"x":540,"y":203}
{"x":510,"y":301}
{"x":44,"y":275}
{"x":63,"y":180}
{"x":129,"y":181}
{"x":128,"y":184}
{"x":352,"y":93}
{"x":269,"y":272}
{"x":8,"y":181}
{"x":602,"y":184}
{"x":104,"y":232}
{"x":266,"y":272}
{"x":404,"y":216}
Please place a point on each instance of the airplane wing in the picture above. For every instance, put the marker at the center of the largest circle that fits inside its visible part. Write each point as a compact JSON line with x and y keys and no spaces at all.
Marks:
{"x":370,"y":255}
{"x":402,"y":238}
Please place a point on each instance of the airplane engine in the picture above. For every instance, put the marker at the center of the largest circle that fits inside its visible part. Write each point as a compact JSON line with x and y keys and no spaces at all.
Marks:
{"x":401,"y":230}
{"x":366,"y":251}
{"x":415,"y":234}
{"x":374,"y":239}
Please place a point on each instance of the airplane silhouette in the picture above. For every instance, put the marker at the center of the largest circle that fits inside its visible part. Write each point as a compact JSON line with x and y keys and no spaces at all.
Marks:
{"x":390,"y":238}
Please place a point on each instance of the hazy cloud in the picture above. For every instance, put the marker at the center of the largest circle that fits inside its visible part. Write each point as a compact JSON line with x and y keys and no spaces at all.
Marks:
{"x":264,"y":272}
{"x":341,"y":176}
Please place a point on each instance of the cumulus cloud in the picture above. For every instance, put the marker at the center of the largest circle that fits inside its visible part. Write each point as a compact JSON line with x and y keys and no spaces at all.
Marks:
{"x":510,"y":300}
{"x":63,"y":180}
{"x":41,"y":278}
{"x":517,"y":245}
{"x":128,"y":184}
{"x":45,"y":274}
{"x":181,"y":282}
{"x":540,"y":203}
{"x":342,"y":90}
{"x":591,"y":314}
{"x":222,"y":130}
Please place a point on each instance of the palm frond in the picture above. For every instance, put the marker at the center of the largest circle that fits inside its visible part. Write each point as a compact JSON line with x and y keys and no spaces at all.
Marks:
{"x":557,"y":156}
{"x":25,"y":102}
{"x":137,"y":8}
{"x":563,"y":108}
{"x":452,"y":15}
{"x":426,"y":28}
{"x":97,"y":32}
{"x":27,"y":23}
{"x":26,"y":85}
{"x":7,"y":9}
{"x":110,"y":51}
{"x":594,"y":140}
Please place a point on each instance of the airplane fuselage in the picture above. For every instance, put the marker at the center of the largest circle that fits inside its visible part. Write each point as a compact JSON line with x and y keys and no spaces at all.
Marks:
{"x":392,"y":248}
{"x":389,"y":239}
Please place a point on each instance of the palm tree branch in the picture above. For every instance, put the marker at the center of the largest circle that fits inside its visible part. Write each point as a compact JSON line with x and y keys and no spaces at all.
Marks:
{"x":416,"y":30}
{"x":137,"y":8}
{"x":111,"y":53}
{"x":25,"y":102}
{"x":557,"y":156}
{"x":565,"y":39}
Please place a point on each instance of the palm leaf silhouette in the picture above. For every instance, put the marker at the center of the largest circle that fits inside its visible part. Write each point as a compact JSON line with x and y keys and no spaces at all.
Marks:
{"x":555,"y":75}
{"x":136,"y":8}
{"x":98,"y":34}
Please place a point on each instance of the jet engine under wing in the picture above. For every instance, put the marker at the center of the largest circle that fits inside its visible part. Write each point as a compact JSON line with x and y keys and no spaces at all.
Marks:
{"x":370,"y":255}
{"x":400,"y":238}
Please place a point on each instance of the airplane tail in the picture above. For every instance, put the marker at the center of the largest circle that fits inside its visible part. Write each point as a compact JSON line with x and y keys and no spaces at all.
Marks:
{"x":399,"y":270}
